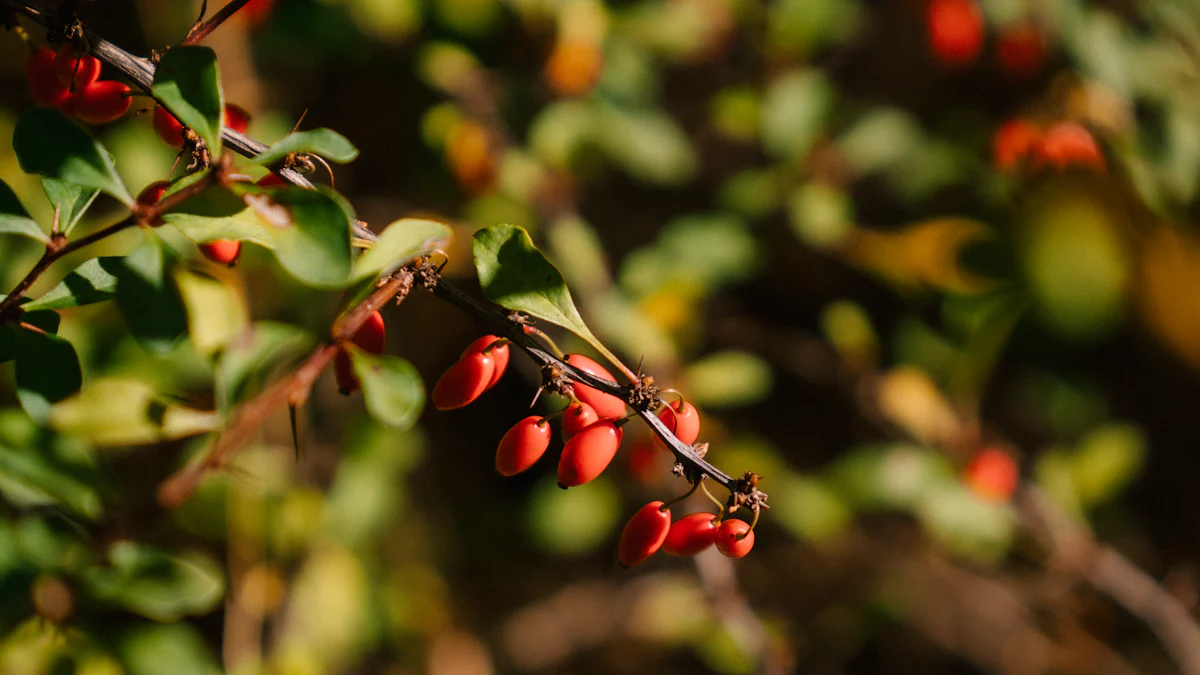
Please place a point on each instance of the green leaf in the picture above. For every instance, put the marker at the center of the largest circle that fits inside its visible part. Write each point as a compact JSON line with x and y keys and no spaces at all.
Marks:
{"x":30,"y":478}
{"x":310,"y":230}
{"x":147,"y":648}
{"x":793,"y":113}
{"x":157,"y":584}
{"x":216,"y":213}
{"x":148,"y":299}
{"x":400,"y":242}
{"x":1106,"y":462}
{"x":324,"y":142}
{"x":118,"y":412}
{"x":515,"y":275}
{"x":14,"y":219}
{"x":71,"y":200}
{"x":216,"y":314}
{"x":47,"y":321}
{"x":188,"y":82}
{"x":728,"y":378}
{"x":255,"y":353}
{"x":47,"y":372}
{"x":49,"y":144}
{"x":93,"y":281}
{"x":392,"y":387}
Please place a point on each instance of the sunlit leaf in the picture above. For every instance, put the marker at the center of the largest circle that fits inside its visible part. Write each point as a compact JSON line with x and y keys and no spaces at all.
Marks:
{"x":399,"y":243}
{"x":145,"y":649}
{"x":29,"y":478}
{"x":48,"y":143}
{"x":216,"y":314}
{"x":327,"y":143}
{"x":116,"y":412}
{"x":392,"y":388}
{"x":157,"y":584}
{"x":188,"y":82}
{"x":793,"y":113}
{"x":310,"y":231}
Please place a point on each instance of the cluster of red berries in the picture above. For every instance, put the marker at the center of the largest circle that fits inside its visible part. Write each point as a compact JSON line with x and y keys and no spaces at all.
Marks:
{"x":1023,"y":143}
{"x":71,"y":82}
{"x":591,"y":428}
{"x":957,"y":33}
{"x":171,"y":131}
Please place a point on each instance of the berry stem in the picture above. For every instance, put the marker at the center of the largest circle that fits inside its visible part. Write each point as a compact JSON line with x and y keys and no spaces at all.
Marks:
{"x":718,"y":502}
{"x":534,"y":330}
{"x":689,"y":493}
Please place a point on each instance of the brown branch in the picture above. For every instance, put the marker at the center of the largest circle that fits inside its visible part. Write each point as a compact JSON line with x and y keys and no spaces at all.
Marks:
{"x":180,"y":486}
{"x":201,"y":30}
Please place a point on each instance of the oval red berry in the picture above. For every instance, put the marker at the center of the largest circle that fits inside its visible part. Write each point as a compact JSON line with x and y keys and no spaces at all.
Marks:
{"x":101,"y":102}
{"x":223,"y":251}
{"x":498,"y":351}
{"x":606,"y":406}
{"x":236,"y":118}
{"x":1069,"y":144}
{"x":578,"y":417}
{"x":75,"y":73}
{"x":464,"y":381}
{"x":167,"y":127}
{"x":955,"y":31}
{"x":683,"y":421}
{"x":735,"y":538}
{"x":992,"y":475}
{"x":691,"y":534}
{"x":588,"y":454}
{"x":643,"y":534}
{"x":522,"y":446}
{"x":371,"y":337}
{"x":153,"y":192}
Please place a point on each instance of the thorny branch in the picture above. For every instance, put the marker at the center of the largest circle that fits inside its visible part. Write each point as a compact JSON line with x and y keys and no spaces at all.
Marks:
{"x":201,"y":30}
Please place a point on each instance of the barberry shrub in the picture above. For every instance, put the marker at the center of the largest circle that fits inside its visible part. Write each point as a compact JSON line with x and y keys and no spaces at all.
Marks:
{"x":869,"y":244}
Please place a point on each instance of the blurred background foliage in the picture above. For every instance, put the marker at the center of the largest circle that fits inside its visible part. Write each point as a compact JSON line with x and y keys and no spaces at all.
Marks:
{"x":796,"y":212}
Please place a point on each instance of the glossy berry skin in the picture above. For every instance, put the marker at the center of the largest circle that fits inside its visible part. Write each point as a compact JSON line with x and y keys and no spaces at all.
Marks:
{"x":644,"y":534}
{"x":728,"y":542}
{"x":168,"y":128}
{"x":606,"y":406}
{"x":100,"y":102}
{"x":683,"y":421}
{"x":1013,"y":142}
{"x":992,"y":475}
{"x":236,"y":118}
{"x":75,"y":72}
{"x":522,"y":446}
{"x":1069,"y":144}
{"x":371,"y":338}
{"x":691,"y":534}
{"x":222,"y":251}
{"x":588,"y":454}
{"x":578,"y":417}
{"x":499,"y":353}
{"x":270,"y":180}
{"x":955,"y":32}
{"x":464,"y":381}
{"x":41,"y":75}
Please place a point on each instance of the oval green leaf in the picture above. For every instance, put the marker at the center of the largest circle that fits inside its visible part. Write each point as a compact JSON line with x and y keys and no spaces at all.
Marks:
{"x":71,"y":200}
{"x":310,"y":230}
{"x":327,"y":143}
{"x":49,"y":144}
{"x":93,"y":281}
{"x":400,"y":242}
{"x":14,"y":219}
{"x":392,"y":387}
{"x":188,"y":82}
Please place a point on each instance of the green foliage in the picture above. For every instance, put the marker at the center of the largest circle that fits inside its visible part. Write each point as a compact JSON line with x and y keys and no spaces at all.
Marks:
{"x":188,"y":83}
{"x":391,"y":386}
{"x":324,"y":142}
{"x":398,"y":243}
{"x":49,"y":144}
{"x":13,"y":217}
{"x":93,"y":281}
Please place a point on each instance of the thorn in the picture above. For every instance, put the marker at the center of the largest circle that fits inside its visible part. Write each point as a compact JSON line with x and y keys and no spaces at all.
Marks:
{"x":295,"y":436}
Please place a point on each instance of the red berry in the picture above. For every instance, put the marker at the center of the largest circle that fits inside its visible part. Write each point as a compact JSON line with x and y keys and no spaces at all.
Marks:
{"x":270,"y":180}
{"x":168,"y":128}
{"x":730,"y":538}
{"x":40,"y":75}
{"x":648,"y":462}
{"x":371,"y":337}
{"x":1013,"y":142}
{"x":955,"y":31}
{"x":992,"y":475}
{"x":691,"y":534}
{"x":588,"y":453}
{"x":1021,"y":50}
{"x":578,"y":417}
{"x":643,"y":534}
{"x":683,"y":421}
{"x":606,"y":406}
{"x":1068,"y":143}
{"x":101,"y":102}
{"x":522,"y":446}
{"x":75,"y":72}
{"x":343,"y":372}
{"x":153,"y":192}
{"x":237,"y":118}
{"x":256,"y":12}
{"x":464,"y":381}
{"x":223,"y":251}
{"x":499,"y":352}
